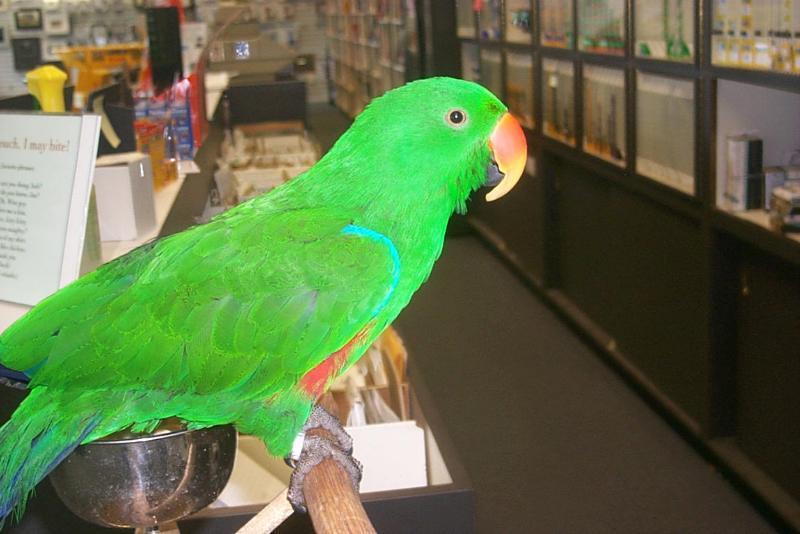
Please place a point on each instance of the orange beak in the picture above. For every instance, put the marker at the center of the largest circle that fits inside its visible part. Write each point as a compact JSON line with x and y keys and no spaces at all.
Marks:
{"x":510,"y":153}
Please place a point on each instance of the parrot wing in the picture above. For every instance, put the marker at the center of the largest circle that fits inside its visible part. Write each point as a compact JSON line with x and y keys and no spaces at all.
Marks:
{"x":245,"y":298}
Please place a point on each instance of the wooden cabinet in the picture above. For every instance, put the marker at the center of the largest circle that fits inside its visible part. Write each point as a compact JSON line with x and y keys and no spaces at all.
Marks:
{"x":768,"y":366}
{"x":637,"y":271}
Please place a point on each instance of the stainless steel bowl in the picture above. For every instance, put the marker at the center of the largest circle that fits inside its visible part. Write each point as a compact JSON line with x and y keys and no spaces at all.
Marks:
{"x":141,"y":482}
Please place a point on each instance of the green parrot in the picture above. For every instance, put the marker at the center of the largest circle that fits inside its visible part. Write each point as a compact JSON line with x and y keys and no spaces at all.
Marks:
{"x":249,"y":318}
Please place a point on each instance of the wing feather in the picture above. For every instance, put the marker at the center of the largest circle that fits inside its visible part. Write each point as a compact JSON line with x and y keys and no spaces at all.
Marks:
{"x":243,"y":297}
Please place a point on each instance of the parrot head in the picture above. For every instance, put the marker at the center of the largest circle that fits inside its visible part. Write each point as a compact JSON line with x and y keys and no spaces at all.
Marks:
{"x":437,"y":137}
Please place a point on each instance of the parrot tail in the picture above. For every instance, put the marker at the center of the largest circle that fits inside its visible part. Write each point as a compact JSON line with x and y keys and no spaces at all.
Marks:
{"x":44,"y":429}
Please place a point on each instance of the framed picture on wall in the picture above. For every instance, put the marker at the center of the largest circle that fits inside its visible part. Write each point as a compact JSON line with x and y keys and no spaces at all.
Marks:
{"x":28,"y":19}
{"x":27,"y":52}
{"x":56,"y":23}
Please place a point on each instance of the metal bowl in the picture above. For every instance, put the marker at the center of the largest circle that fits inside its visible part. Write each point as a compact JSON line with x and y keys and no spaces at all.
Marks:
{"x":141,"y":482}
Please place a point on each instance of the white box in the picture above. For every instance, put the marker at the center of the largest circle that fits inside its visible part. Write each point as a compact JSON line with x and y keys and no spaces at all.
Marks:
{"x":393,"y":455}
{"x":123,"y":186}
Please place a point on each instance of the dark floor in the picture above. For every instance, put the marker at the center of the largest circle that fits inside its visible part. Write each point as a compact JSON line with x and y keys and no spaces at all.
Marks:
{"x":552,"y":439}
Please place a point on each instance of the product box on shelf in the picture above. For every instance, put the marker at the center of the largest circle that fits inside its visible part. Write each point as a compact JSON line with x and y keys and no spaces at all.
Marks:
{"x":258,"y":157}
{"x":123,"y":186}
{"x":173,"y":110}
{"x":792,"y":173}
{"x":773,"y":177}
{"x":744,"y":182}
{"x":785,"y":208}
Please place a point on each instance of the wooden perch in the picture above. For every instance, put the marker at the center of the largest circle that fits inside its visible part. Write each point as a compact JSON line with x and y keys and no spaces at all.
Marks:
{"x":333,"y":504}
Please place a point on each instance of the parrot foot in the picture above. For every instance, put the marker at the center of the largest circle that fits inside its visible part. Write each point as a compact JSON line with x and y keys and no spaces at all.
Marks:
{"x":315,"y":449}
{"x":322,"y":418}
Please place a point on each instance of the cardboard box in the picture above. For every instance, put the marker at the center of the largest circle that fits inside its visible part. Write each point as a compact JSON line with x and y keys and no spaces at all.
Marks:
{"x":123,"y":186}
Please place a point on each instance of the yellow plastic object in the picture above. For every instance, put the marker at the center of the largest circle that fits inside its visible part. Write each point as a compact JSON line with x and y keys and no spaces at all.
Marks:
{"x":47,"y":85}
{"x":95,"y":64}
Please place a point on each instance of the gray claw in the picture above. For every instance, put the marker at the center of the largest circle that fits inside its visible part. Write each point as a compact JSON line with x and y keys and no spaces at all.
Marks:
{"x":321,"y":418}
{"x":316,"y":449}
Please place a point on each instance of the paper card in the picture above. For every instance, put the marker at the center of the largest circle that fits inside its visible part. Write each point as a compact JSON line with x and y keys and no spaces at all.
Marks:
{"x":46,"y":169}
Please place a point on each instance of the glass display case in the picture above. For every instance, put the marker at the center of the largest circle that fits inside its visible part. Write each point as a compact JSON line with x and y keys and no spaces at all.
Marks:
{"x":470,"y":66}
{"x":559,"y":105}
{"x":492,"y":71}
{"x":555,"y":18}
{"x":411,"y":28}
{"x":413,"y":59}
{"x":519,"y":21}
{"x":369,"y":42}
{"x":756,"y":34}
{"x":465,"y":19}
{"x":665,"y":130}
{"x":758,"y":155}
{"x":665,"y":30}
{"x":519,"y":87}
{"x":601,"y":26}
{"x":604,"y":113}
{"x":489,"y":19}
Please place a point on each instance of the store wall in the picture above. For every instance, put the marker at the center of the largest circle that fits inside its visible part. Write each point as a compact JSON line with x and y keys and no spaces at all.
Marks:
{"x":87,"y":22}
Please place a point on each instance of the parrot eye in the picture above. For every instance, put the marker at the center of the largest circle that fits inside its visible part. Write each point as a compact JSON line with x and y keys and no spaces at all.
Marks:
{"x":456,"y":117}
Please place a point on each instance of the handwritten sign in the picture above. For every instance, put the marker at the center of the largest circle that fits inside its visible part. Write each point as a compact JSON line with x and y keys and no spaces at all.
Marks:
{"x":46,"y":168}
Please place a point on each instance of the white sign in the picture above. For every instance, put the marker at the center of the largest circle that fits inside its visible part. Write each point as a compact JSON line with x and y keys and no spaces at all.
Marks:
{"x":46,"y":169}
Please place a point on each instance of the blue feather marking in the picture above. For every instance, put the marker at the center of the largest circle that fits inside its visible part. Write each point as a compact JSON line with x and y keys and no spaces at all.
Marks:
{"x":16,"y":376}
{"x":383,"y":240}
{"x":64,"y":453}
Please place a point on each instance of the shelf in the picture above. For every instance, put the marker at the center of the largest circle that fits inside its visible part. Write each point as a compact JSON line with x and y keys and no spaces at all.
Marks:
{"x":489,"y":20}
{"x":761,"y":218}
{"x":373,"y":52}
{"x":604,"y":113}
{"x":491,"y":65}
{"x":665,"y":129}
{"x":556,"y":23}
{"x":601,"y":26}
{"x":665,"y":30}
{"x":773,"y":80}
{"x":519,"y":88}
{"x":519,"y":22}
{"x":686,"y":206}
{"x":756,"y":35}
{"x":559,"y":111}
{"x":470,"y":62}
{"x":465,"y":19}
{"x":752,"y":227}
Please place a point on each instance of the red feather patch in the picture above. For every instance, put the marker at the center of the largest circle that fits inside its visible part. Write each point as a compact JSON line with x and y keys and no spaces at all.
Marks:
{"x":317,"y":380}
